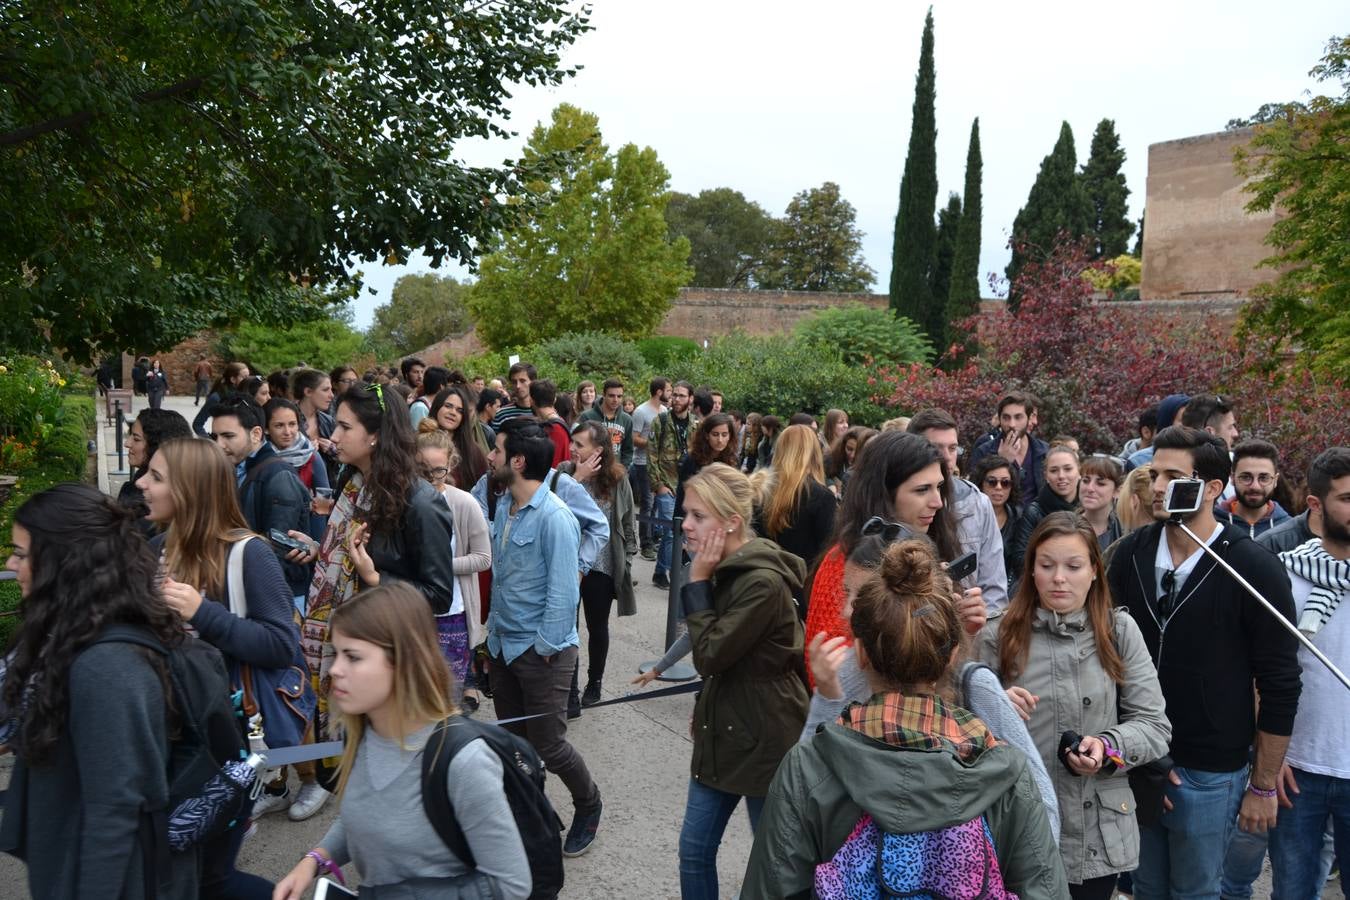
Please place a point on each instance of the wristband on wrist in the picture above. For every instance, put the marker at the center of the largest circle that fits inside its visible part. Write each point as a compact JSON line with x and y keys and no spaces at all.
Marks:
{"x":1263,"y":794}
{"x":327,"y":865}
{"x":1113,"y":756}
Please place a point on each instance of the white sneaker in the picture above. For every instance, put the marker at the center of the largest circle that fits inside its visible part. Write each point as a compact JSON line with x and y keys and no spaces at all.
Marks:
{"x":270,"y":803}
{"x":309,"y":801}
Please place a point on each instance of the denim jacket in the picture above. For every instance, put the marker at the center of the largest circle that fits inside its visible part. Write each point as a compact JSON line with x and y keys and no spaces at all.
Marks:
{"x":535,"y":588}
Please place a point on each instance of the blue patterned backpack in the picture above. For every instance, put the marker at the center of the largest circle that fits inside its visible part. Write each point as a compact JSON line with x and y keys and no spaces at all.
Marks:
{"x":954,"y":863}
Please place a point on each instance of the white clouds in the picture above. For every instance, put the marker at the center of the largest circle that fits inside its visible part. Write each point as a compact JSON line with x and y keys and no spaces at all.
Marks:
{"x":772,"y":98}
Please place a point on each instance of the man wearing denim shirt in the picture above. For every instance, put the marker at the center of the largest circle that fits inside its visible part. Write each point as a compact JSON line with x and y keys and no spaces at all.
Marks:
{"x":532,"y":632}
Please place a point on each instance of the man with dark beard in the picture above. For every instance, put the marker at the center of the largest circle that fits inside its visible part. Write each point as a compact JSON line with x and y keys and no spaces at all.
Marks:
{"x":1256,"y":472}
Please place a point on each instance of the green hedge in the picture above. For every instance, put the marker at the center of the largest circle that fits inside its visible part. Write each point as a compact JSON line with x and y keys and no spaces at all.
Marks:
{"x":64,"y":457}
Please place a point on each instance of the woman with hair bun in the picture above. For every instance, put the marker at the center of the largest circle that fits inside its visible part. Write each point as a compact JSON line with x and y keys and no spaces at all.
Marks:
{"x":747,"y":645}
{"x":88,"y":722}
{"x":1071,"y":664}
{"x":905,"y":762}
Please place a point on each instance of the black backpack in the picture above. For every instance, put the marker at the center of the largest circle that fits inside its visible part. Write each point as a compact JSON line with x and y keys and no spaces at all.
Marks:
{"x":209,"y":733}
{"x":523,"y":781}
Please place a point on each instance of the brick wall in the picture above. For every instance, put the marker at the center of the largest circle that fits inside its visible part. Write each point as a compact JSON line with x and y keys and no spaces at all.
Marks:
{"x":1199,"y":240}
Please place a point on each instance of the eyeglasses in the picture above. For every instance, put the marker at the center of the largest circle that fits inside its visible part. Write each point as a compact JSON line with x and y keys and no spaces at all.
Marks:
{"x":1265,"y":479}
{"x":992,"y":482}
{"x":1167,"y":603}
{"x":889,"y":531}
{"x":379,"y":393}
{"x":348,"y":380}
{"x":437,"y":474}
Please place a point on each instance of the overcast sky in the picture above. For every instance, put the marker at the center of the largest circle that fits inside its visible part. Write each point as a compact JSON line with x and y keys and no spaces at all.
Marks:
{"x":773,"y":98}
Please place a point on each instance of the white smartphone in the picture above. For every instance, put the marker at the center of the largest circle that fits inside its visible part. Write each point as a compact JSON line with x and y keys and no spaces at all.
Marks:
{"x":327,"y":889}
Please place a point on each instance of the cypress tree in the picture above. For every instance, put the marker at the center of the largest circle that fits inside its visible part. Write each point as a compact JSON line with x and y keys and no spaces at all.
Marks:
{"x":1056,"y":203}
{"x":1138,"y":252}
{"x":1104,"y":184}
{"x":915,"y":233}
{"x":963,"y":299}
{"x":948,"y":227}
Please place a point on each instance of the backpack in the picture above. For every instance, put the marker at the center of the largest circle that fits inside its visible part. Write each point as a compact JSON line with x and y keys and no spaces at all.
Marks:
{"x":953,"y":863}
{"x":209,"y":736}
{"x":522,"y":780}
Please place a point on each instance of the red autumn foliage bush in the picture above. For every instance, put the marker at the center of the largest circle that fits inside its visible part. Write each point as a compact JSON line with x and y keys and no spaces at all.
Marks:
{"x":1094,"y":365}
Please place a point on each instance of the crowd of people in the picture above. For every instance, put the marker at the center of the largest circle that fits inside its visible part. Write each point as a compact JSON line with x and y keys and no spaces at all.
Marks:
{"x":927,"y":670}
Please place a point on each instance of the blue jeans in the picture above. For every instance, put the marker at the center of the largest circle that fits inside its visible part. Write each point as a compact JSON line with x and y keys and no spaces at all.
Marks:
{"x":1298,"y":869}
{"x":663,"y":507}
{"x":1181,"y":858}
{"x":706,"y":814}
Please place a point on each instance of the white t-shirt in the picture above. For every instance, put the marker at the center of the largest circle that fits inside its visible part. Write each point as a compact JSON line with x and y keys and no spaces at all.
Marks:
{"x":1162,"y":564}
{"x":1322,"y":726}
{"x":456,"y":598}
{"x":643,"y":419}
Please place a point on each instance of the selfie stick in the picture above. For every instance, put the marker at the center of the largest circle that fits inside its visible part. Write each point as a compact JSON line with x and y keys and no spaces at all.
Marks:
{"x":1279,"y":617}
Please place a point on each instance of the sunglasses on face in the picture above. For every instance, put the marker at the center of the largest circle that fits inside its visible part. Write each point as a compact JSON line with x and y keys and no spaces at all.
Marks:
{"x":1167,"y":603}
{"x":992,"y":482}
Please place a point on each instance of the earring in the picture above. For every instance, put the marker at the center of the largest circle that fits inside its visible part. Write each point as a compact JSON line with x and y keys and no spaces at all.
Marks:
{"x":730,"y":530}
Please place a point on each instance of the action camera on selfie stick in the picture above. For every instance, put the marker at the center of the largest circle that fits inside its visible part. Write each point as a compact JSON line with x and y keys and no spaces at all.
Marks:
{"x":1184,"y":496}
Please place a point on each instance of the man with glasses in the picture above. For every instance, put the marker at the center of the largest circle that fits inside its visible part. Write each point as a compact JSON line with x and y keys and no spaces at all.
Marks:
{"x":1256,"y":472}
{"x":1212,"y":642}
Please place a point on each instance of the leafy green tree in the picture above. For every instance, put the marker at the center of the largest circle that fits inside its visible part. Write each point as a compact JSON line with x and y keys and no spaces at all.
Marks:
{"x":728,"y":235}
{"x":817,"y":246}
{"x":963,"y":298}
{"x":323,"y":343}
{"x":173,"y":167}
{"x":422,"y":310}
{"x":949,"y":224}
{"x":1138,"y":251}
{"x":1104,"y":184}
{"x":861,"y":334}
{"x":915,"y":235}
{"x":1299,"y":165}
{"x":595,"y":256}
{"x":1057,"y":203}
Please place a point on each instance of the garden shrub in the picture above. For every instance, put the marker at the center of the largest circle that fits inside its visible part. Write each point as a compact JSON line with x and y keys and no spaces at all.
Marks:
{"x":595,"y":356}
{"x":663,"y":352}
{"x":863,"y":334}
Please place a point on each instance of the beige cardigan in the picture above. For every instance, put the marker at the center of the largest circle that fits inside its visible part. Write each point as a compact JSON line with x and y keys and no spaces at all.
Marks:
{"x":473,"y":549}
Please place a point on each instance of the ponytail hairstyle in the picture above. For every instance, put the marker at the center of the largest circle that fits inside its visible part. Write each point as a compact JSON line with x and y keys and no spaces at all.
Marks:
{"x":905,"y":619}
{"x":91,"y":567}
{"x":230,"y":378}
{"x":397,"y":619}
{"x":393,"y":463}
{"x":1014,"y":635}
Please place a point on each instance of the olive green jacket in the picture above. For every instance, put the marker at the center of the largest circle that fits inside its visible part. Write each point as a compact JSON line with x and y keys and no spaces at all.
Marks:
{"x":748,"y":648}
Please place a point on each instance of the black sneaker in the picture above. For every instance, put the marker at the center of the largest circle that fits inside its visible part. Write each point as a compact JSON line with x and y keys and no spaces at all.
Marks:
{"x":582,"y":833}
{"x":661,"y":580}
{"x":591,"y":695}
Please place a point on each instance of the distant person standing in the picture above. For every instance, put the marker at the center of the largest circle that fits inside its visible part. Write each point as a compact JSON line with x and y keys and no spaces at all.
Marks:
{"x":156,"y":384}
{"x":610,"y":414}
{"x":644,"y":417}
{"x":201,"y":374}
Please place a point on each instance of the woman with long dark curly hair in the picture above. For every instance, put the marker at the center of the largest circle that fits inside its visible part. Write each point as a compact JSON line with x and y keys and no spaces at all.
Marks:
{"x":91,"y":729}
{"x":386,"y":524}
{"x":710,"y":443}
{"x":453,"y":410}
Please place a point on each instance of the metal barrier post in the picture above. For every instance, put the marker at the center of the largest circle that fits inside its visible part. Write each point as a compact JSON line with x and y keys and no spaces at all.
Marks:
{"x":675,"y":626}
{"x":120,"y":421}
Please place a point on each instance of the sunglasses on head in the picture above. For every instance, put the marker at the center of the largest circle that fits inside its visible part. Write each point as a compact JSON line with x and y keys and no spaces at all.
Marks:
{"x":379,"y":393}
{"x":888,"y":531}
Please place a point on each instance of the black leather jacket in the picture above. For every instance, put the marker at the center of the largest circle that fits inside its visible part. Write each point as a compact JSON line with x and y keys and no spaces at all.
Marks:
{"x":418,"y":552}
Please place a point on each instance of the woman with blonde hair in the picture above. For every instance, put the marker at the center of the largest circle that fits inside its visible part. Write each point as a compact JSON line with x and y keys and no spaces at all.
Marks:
{"x":1135,"y":509}
{"x":190,"y":491}
{"x":460,"y":629}
{"x":745,"y":632}
{"x":1058,"y":641}
{"x":798,"y":512}
{"x":710,"y":442}
{"x":392,"y":688}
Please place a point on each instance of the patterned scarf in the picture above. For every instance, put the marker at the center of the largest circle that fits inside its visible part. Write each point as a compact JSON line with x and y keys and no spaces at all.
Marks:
{"x":298,"y":453}
{"x":1330,"y":578}
{"x":335,"y":581}
{"x":920,"y":722}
